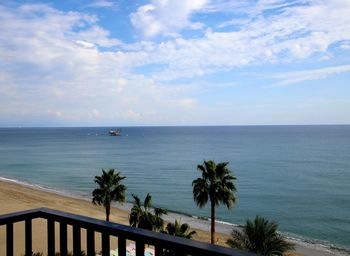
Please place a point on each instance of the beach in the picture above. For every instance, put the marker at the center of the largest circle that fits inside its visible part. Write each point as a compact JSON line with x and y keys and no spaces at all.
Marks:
{"x":18,"y":197}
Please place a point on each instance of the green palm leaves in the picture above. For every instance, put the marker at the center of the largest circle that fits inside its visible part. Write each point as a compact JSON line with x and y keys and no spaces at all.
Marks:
{"x":142,"y":216}
{"x":260,"y":236}
{"x":180,"y":230}
{"x":109,"y":189}
{"x":216,"y":185}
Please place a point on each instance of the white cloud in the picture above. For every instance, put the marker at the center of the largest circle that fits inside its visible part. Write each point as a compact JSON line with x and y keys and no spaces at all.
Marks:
{"x":86,"y":45}
{"x":58,"y":114}
{"x":234,"y":22}
{"x":131,"y":115}
{"x":345,"y":45}
{"x":250,"y":8}
{"x":103,"y":4}
{"x":96,"y":35}
{"x":296,"y":31}
{"x":55,"y":67}
{"x":309,"y":75}
{"x":57,"y":60}
{"x":95,"y":113}
{"x":166,"y":17}
{"x":188,"y":102}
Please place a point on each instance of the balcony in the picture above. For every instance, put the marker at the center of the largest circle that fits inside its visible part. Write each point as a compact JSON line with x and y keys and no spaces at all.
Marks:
{"x":160,"y":242}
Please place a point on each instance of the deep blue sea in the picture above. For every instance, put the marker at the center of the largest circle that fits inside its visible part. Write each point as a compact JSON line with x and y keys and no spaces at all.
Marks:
{"x":296,"y":175}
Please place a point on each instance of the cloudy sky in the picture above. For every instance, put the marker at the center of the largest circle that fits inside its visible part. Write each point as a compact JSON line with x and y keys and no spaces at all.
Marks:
{"x":174,"y":62}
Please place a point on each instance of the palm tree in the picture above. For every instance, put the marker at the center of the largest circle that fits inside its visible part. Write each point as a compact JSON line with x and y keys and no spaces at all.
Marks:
{"x":110,"y":189}
{"x":260,"y":237}
{"x":215,"y":185}
{"x":144,"y":217}
{"x":180,"y":230}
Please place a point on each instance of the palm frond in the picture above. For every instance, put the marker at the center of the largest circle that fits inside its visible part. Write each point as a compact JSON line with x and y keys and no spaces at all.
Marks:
{"x":200,"y":192}
{"x":144,"y":217}
{"x":148,"y":201}
{"x":260,"y":236}
{"x":160,"y":211}
{"x":180,"y":230}
{"x":137,"y":200}
{"x":109,"y":189}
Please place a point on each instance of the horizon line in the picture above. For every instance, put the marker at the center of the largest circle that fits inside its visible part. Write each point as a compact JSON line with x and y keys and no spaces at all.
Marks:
{"x":145,"y":126}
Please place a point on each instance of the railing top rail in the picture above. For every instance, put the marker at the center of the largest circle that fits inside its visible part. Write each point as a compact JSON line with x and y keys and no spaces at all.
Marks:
{"x":136,"y":234}
{"x":19,"y":216}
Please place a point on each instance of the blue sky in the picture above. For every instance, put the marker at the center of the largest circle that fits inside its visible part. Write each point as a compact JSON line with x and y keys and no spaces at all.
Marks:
{"x":179,"y":62}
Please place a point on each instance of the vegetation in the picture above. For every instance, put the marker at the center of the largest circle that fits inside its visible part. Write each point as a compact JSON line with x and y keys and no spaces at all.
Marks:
{"x":180,"y":230}
{"x":109,"y":189}
{"x":144,"y":217}
{"x":260,"y":236}
{"x":216,"y":185}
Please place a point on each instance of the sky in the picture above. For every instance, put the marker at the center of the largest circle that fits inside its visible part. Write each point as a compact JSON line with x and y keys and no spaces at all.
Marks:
{"x":174,"y":62}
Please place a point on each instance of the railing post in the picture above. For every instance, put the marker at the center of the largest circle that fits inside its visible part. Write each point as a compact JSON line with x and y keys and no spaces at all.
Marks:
{"x":105,"y":243}
{"x":63,"y":239}
{"x":140,"y":248}
{"x":179,"y":252}
{"x":121,"y":246}
{"x":28,"y":237}
{"x":50,"y":237}
{"x":76,"y":240}
{"x":9,"y":239}
{"x":90,"y":238}
{"x":158,"y":250}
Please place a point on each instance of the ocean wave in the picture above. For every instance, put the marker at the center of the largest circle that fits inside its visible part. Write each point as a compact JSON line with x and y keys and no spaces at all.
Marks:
{"x":317,"y":244}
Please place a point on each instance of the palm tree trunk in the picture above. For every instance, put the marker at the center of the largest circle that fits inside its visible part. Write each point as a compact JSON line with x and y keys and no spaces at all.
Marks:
{"x":212,"y":229}
{"x":108,"y":210}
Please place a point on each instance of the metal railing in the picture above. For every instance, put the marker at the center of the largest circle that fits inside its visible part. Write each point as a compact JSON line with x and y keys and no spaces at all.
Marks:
{"x":177,"y":245}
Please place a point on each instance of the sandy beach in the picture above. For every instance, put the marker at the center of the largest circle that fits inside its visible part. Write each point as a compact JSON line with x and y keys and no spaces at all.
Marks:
{"x":16,"y":197}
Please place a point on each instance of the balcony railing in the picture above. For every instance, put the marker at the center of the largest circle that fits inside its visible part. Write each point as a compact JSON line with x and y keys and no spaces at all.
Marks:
{"x":179,"y":246}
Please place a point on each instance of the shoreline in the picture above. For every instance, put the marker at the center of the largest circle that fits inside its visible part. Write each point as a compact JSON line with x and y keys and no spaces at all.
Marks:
{"x":54,"y":198}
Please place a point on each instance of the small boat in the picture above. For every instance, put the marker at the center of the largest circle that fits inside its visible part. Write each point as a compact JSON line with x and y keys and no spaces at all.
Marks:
{"x":116,"y":132}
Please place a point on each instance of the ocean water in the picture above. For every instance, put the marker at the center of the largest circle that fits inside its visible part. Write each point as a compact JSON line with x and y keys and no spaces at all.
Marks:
{"x":298,"y":176}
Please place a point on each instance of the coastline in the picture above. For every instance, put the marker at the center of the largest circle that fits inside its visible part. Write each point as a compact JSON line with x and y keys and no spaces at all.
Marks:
{"x":18,"y":196}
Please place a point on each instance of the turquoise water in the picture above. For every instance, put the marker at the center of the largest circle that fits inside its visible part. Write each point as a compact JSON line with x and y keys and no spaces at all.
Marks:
{"x":296,"y":175}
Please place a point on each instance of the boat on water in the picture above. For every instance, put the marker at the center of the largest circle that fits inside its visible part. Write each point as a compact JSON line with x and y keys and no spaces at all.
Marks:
{"x":116,"y":132}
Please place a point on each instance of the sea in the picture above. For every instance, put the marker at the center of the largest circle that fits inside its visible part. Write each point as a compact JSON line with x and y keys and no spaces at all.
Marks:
{"x":298,"y":176}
